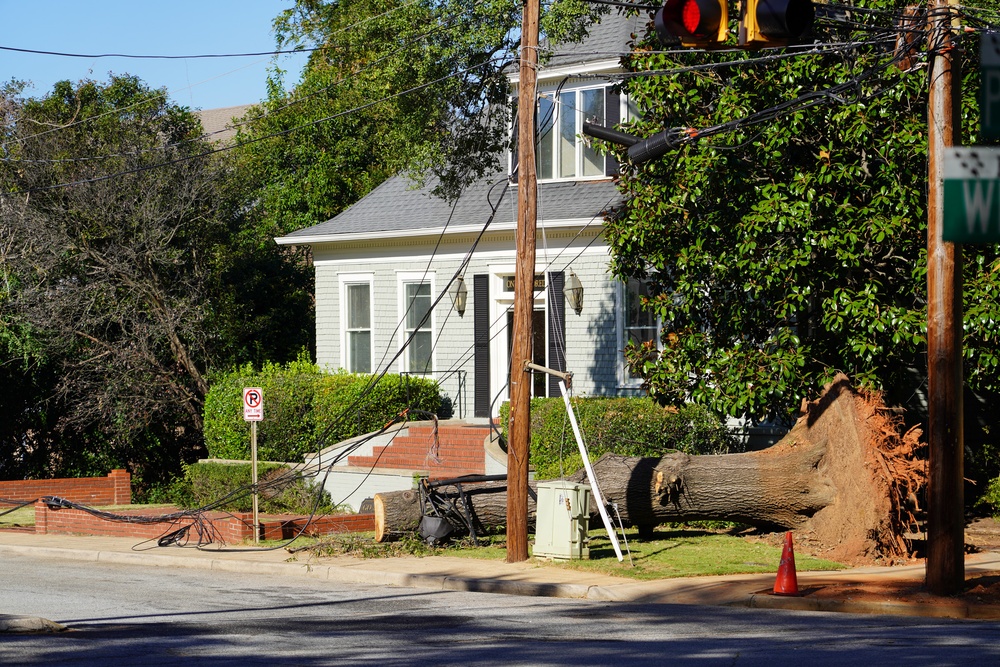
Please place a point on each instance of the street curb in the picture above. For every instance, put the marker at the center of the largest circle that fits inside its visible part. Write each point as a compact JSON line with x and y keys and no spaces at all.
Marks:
{"x":525,"y":588}
{"x":955,"y":609}
{"x":358,"y":574}
{"x":15,"y":624}
{"x":350,"y":575}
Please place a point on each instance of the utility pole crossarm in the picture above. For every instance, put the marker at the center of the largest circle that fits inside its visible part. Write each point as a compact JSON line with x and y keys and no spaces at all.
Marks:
{"x":565,"y":376}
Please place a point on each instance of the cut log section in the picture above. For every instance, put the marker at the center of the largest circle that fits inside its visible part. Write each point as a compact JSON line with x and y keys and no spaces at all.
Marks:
{"x":841,"y":478}
{"x":397,"y":513}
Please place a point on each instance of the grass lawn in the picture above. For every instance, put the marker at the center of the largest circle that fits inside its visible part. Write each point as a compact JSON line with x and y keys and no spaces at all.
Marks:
{"x":673,"y":552}
{"x":22,"y":516}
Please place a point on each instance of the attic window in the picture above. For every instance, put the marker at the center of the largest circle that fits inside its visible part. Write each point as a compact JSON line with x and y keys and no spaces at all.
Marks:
{"x":562,"y":149}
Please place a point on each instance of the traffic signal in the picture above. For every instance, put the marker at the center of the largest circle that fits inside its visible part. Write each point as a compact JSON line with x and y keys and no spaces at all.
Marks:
{"x":774,"y":22}
{"x":701,"y":23}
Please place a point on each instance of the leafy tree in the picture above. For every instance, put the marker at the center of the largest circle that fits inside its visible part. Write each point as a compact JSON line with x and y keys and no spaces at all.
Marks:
{"x":107,"y":259}
{"x":393,"y":85}
{"x":784,"y":247}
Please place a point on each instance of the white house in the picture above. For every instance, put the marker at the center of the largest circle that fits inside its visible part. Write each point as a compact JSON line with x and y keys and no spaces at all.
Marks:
{"x":384,"y":262}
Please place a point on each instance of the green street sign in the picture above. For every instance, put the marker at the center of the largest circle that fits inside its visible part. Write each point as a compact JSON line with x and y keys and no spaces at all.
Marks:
{"x":989,"y":85}
{"x":971,"y":195}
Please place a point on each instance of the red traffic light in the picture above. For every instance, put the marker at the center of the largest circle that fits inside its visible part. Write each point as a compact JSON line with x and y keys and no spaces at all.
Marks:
{"x":692,"y":22}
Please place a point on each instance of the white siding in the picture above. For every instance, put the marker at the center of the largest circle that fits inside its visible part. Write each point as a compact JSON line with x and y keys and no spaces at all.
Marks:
{"x":591,"y":338}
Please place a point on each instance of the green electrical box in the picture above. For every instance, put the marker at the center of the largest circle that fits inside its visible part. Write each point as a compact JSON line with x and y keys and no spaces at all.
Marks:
{"x":562,"y":519}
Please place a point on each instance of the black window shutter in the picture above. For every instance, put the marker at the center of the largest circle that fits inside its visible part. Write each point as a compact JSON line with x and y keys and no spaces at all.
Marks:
{"x":612,"y":116}
{"x":557,"y":328}
{"x":481,"y":343}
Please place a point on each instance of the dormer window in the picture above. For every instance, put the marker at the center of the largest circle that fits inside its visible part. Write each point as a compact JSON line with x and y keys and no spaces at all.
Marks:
{"x":563,"y":151}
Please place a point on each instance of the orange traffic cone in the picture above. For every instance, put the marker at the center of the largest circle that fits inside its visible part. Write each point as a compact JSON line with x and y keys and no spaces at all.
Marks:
{"x":787,"y":583}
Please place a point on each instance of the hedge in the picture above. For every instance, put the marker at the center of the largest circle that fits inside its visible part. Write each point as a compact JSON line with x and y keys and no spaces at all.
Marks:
{"x":305,"y":409}
{"x":625,"y":426}
{"x":370,"y":407}
{"x":209,"y":481}
{"x":287,"y":431}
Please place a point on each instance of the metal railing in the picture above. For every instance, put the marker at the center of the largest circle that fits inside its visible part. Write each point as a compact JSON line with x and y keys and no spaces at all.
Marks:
{"x":452,"y":385}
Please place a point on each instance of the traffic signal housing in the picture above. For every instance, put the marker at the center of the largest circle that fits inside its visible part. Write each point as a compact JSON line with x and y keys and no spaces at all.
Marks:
{"x":698,"y":23}
{"x":774,"y":22}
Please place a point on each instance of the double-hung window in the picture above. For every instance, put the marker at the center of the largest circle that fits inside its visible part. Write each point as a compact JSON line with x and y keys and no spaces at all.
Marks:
{"x":637,"y":324}
{"x":418,"y":324}
{"x":563,"y":151}
{"x":356,"y":323}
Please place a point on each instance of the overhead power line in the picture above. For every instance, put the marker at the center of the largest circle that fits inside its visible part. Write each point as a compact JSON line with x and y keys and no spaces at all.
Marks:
{"x":222,"y":149}
{"x":211,"y":55}
{"x":137,"y":56}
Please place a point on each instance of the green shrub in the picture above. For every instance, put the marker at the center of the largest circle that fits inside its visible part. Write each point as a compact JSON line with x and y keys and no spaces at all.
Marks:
{"x":990,"y":497}
{"x":343,"y":409}
{"x":287,"y":431}
{"x":306,"y":409}
{"x":625,"y":426}
{"x":207,"y":482}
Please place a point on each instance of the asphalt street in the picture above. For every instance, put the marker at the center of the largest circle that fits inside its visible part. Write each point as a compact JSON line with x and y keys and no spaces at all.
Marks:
{"x":132,"y":615}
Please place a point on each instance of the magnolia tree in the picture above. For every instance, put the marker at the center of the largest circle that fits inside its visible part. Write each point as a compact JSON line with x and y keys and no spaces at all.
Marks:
{"x":787,"y":242}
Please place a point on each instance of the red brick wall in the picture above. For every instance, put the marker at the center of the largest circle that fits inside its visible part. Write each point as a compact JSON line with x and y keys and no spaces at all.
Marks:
{"x":115,"y":489}
{"x":287,"y":527}
{"x":231,"y":528}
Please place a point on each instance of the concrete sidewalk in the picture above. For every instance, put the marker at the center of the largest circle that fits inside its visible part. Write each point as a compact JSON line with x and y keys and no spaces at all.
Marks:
{"x":529,"y":578}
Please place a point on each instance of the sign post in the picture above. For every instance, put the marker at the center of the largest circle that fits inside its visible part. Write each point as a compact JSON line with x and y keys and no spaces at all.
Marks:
{"x":253,"y":412}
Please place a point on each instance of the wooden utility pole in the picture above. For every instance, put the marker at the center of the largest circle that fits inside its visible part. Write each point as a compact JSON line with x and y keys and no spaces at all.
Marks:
{"x":945,"y":502}
{"x":524,"y":293}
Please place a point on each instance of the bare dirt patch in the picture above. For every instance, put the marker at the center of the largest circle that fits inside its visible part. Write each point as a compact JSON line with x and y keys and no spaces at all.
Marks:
{"x":983,"y":590}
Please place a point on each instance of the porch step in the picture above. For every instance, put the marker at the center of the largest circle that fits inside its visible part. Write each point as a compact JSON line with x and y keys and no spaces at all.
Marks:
{"x":460,"y":451}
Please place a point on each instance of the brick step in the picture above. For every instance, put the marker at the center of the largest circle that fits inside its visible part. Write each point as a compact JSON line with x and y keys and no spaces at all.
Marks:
{"x":426,"y":442}
{"x":417,"y":463}
{"x":459,"y":431}
{"x":396,"y":456}
{"x":459,"y":448}
{"x":417,"y":453}
{"x":421,"y":465}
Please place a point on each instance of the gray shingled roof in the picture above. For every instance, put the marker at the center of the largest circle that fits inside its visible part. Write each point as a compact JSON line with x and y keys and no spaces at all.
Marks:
{"x":394,"y":206}
{"x":218,"y":123}
{"x":604,"y":40}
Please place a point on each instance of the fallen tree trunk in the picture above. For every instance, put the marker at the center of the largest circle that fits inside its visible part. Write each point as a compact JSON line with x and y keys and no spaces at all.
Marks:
{"x":840,"y":477}
{"x":397,"y":513}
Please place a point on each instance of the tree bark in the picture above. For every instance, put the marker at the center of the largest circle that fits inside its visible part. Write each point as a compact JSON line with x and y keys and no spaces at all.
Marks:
{"x":841,"y":477}
{"x":756,"y":488}
{"x":397,"y":513}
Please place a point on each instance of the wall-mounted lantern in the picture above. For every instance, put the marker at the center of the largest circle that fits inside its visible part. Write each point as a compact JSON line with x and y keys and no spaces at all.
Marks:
{"x":574,"y":292}
{"x":459,"y":295}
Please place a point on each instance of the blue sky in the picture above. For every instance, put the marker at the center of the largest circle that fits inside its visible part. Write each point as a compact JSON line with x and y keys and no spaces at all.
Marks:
{"x":177,"y":27}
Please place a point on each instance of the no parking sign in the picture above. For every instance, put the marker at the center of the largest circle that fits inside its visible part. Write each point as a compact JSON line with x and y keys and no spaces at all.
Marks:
{"x":253,"y":404}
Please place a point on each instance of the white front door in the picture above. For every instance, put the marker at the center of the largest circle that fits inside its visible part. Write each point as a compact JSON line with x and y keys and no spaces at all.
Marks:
{"x":501,"y":329}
